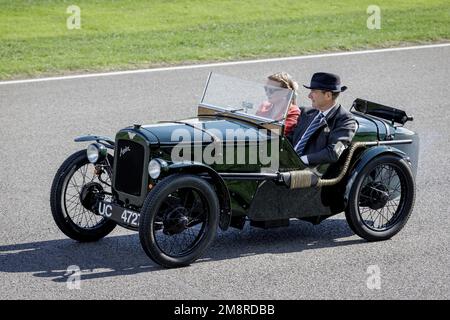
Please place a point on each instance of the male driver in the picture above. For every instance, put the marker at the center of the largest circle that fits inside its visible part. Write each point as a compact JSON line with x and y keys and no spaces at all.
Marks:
{"x":325,"y":130}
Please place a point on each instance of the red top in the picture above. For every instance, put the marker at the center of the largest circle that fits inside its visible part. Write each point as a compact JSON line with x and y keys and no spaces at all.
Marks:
{"x":291,"y":119}
{"x":267,"y":110}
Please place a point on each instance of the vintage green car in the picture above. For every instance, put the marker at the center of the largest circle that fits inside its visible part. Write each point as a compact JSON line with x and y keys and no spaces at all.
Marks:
{"x":176,"y":182}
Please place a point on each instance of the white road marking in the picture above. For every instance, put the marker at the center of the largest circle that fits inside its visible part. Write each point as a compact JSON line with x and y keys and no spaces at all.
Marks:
{"x":222,"y":64}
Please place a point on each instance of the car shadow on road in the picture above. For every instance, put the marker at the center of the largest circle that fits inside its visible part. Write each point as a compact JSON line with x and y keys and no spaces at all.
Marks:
{"x":123,"y":255}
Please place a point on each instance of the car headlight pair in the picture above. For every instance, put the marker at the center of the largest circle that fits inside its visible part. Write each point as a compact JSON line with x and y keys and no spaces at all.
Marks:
{"x":96,"y":152}
{"x":155,"y":166}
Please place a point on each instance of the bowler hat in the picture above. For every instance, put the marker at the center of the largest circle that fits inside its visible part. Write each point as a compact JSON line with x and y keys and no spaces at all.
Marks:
{"x":326,"y":81}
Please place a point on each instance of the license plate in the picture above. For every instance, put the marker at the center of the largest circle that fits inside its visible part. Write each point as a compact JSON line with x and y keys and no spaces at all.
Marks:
{"x":119,"y":214}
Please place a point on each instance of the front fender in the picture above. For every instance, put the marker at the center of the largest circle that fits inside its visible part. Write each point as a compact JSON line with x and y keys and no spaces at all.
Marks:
{"x":222,"y":190}
{"x":107,"y":142}
{"x":367,"y":156}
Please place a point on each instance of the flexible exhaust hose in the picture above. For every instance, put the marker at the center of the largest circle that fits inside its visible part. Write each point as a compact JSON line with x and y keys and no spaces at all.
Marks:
{"x":306,"y":178}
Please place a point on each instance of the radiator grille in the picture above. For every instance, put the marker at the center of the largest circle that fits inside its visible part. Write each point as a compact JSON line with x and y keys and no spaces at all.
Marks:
{"x":130,"y":165}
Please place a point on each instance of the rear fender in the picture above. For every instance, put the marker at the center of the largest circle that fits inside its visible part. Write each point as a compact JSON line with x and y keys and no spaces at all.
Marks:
{"x":217,"y":181}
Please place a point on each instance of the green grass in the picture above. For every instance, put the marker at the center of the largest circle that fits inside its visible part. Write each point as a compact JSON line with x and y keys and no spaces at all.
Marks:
{"x":130,"y":34}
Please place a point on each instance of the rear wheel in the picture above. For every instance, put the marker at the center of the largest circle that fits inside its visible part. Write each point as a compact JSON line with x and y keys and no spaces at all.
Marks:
{"x":72,"y":196}
{"x":179,"y":220}
{"x":381,"y":199}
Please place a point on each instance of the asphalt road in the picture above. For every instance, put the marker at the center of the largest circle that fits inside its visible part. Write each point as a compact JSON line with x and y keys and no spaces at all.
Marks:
{"x":39,"y":121}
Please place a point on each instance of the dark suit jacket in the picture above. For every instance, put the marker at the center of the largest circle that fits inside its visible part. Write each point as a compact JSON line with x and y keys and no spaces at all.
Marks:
{"x":330,"y":139}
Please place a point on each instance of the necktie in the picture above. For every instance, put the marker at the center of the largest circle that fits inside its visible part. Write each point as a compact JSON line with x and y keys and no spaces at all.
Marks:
{"x":311,"y":129}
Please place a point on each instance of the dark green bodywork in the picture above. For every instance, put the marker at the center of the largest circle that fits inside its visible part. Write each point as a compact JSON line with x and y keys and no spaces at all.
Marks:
{"x":262,"y":199}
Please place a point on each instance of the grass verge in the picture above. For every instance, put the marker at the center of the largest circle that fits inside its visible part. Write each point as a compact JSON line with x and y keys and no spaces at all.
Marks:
{"x":114,"y":35}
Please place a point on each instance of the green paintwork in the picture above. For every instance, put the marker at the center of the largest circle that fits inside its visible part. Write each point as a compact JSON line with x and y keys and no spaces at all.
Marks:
{"x":247,"y":196}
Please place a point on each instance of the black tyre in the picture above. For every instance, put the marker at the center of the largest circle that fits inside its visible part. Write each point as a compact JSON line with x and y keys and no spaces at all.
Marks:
{"x":179,"y":220}
{"x":69,"y":213}
{"x":381,"y":199}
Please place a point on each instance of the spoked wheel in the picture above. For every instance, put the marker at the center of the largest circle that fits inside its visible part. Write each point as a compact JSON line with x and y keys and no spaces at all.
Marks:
{"x":381,"y":199}
{"x":74,"y":188}
{"x":178,"y":220}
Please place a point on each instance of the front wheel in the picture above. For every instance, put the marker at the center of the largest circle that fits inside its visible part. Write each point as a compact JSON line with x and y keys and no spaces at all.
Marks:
{"x":72,"y":196}
{"x":381,"y":198}
{"x":179,"y":220}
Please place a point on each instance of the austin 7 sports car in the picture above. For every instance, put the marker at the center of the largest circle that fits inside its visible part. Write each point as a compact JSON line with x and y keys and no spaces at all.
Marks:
{"x":177,"y":182}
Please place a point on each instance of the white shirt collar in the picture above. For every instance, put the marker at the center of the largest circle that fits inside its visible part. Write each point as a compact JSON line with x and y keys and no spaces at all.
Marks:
{"x":325,"y":113}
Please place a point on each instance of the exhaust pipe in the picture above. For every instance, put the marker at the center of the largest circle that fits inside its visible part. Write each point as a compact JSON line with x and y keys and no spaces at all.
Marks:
{"x":306,"y":178}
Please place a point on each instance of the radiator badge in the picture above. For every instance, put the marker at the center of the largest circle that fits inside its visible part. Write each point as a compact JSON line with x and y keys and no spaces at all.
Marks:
{"x":131,"y":135}
{"x":124,"y":150}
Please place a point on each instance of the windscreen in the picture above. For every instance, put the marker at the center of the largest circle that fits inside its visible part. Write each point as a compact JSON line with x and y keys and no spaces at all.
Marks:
{"x":246,"y":98}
